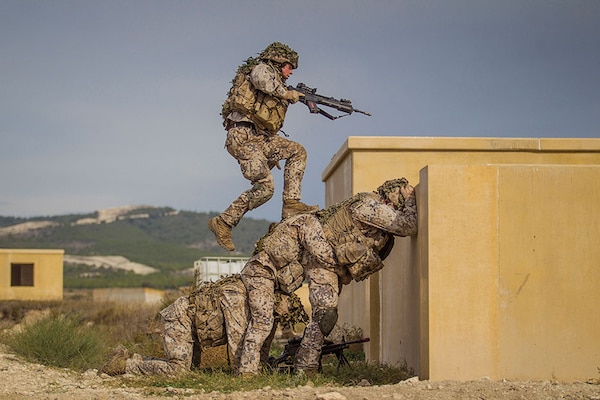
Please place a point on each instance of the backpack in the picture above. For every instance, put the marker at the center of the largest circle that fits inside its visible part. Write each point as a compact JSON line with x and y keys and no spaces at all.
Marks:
{"x":242,"y":95}
{"x":206,"y":313}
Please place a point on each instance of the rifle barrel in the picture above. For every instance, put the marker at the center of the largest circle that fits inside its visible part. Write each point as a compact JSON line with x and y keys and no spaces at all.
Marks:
{"x":362,"y":112}
{"x":343,"y":345}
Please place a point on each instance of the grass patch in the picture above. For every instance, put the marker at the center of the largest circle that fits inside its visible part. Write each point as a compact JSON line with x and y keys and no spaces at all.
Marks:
{"x":78,"y":333}
{"x":374,"y":373}
{"x":222,"y":379}
{"x":59,"y":341}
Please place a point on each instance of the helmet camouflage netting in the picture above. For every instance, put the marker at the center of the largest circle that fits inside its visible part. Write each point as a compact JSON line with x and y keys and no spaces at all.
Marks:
{"x":280,"y":53}
{"x":390,"y":186}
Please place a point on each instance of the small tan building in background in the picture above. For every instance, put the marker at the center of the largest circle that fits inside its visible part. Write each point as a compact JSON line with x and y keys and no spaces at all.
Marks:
{"x":503,"y":278}
{"x":31,"y":274}
{"x":128,"y":295}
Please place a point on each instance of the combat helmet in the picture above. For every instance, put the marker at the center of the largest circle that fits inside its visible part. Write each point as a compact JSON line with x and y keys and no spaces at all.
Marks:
{"x":391,"y":186}
{"x":280,"y":53}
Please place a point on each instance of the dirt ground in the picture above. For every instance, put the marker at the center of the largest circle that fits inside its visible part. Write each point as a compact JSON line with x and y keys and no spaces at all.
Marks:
{"x":22,"y":380}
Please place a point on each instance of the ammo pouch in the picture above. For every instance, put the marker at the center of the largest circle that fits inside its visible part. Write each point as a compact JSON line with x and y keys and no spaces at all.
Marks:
{"x":350,"y":253}
{"x":369,"y":263}
{"x":269,"y":112}
{"x":290,"y":277}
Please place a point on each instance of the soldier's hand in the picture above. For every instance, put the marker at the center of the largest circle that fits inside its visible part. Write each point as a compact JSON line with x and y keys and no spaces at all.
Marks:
{"x":407,"y":191}
{"x":293,"y":96}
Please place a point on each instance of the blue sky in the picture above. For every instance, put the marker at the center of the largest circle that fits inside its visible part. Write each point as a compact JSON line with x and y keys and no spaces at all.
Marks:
{"x":112,"y":103}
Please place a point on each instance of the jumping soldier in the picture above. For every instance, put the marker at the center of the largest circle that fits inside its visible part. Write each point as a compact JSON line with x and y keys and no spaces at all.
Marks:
{"x":253,"y":114}
{"x":214,"y":314}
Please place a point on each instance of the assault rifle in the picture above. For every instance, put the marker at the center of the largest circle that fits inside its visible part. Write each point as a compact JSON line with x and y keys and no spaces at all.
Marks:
{"x":313,"y":100}
{"x":288,"y":354}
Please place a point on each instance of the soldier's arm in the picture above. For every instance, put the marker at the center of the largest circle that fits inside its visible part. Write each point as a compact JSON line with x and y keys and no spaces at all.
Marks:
{"x":265,"y":79}
{"x":374,"y":212}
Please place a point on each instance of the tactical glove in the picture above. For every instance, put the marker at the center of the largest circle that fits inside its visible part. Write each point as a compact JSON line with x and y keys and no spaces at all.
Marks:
{"x":293,"y":96}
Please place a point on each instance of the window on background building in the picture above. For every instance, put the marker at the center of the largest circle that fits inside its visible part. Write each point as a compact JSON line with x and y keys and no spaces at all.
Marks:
{"x":21,"y":274}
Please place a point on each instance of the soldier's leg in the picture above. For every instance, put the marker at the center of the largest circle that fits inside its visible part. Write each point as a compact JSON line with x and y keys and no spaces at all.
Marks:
{"x":262,"y":190}
{"x":323,"y":296}
{"x":235,"y":314}
{"x":261,"y":300}
{"x":266,"y":347}
{"x":247,"y":148}
{"x":177,"y":343}
{"x":294,"y":153}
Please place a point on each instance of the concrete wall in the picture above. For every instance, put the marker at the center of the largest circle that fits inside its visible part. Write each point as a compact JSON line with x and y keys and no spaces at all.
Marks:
{"x":47,"y":274}
{"x":403,"y":308}
{"x":128,"y":295}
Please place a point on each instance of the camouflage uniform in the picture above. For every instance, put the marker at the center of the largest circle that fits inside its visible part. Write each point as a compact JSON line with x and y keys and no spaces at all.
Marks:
{"x":257,"y":154}
{"x":280,"y":250}
{"x":324,"y":287}
{"x":182,"y":325}
{"x":258,"y":151}
{"x":376,"y":219}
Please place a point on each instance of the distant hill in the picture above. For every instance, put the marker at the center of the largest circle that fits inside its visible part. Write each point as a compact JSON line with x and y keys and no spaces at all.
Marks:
{"x":158,"y":237}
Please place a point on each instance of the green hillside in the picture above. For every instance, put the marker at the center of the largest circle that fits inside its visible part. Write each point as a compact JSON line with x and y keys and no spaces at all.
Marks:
{"x":162,"y":238}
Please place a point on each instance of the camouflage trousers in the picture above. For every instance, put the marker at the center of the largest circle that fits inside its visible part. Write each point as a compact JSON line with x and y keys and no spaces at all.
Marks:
{"x":178,"y":344}
{"x":179,"y":338}
{"x":257,"y":154}
{"x":261,"y":301}
{"x":323,"y":293}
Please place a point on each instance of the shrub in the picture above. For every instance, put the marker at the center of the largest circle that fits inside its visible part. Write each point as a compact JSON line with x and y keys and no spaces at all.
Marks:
{"x":59,"y":341}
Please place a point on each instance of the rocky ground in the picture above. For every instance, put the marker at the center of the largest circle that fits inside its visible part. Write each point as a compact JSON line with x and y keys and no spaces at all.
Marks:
{"x":22,"y":380}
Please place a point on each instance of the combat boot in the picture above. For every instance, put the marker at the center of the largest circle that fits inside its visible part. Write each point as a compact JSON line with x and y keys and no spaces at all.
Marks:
{"x":222,"y":232}
{"x":116,"y":363}
{"x":294,"y":207}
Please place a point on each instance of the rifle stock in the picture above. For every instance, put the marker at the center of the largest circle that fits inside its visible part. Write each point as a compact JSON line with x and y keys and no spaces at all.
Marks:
{"x":313,"y":100}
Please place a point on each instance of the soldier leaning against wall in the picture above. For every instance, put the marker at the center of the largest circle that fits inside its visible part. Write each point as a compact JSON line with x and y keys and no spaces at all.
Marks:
{"x":361,"y":230}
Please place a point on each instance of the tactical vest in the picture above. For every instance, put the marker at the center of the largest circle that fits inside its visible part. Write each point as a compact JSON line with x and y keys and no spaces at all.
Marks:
{"x":353,"y":250}
{"x":269,"y":112}
{"x":265,"y":111}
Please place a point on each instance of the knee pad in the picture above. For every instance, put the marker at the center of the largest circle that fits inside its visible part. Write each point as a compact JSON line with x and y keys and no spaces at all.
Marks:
{"x":326,"y":318}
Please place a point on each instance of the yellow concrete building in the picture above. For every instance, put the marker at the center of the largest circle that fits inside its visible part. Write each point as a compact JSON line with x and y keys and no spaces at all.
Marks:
{"x":31,"y":274}
{"x":128,"y":295}
{"x":503,"y":278}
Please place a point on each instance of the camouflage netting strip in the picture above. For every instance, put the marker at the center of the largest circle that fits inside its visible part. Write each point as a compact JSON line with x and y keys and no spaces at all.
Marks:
{"x":212,"y":290}
{"x":296,"y":315}
{"x":246,"y":67}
